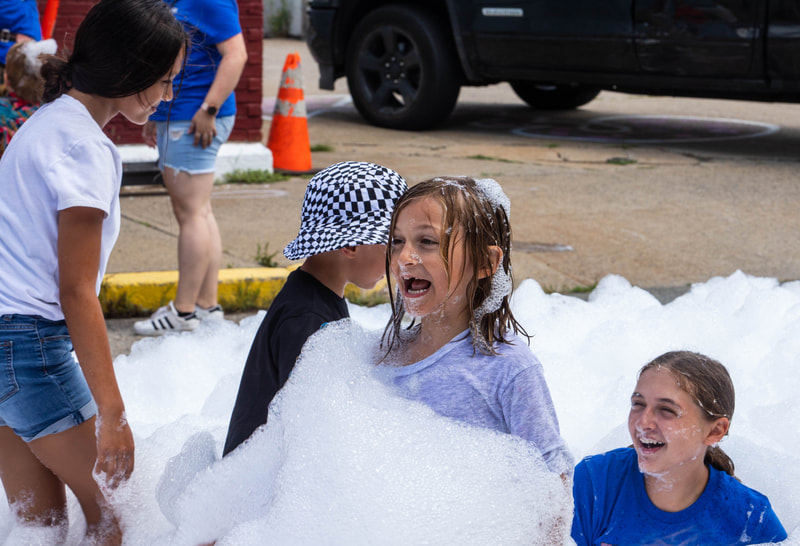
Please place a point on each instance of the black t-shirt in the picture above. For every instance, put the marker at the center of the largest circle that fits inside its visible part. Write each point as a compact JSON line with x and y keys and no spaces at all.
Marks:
{"x":301,"y":307}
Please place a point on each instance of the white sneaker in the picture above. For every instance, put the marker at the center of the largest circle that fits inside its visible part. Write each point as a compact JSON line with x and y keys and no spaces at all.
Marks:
{"x":166,"y":319}
{"x":212,"y":313}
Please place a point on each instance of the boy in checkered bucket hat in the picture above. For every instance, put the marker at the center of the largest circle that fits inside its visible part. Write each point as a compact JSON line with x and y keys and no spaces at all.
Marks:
{"x":344,"y":229}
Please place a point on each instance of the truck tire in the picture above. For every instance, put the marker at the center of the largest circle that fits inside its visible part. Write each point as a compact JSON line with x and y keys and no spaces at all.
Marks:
{"x":402,"y":69}
{"x":553,"y":97}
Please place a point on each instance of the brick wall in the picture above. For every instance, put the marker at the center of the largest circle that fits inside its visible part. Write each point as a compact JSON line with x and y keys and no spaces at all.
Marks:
{"x":248,"y":92}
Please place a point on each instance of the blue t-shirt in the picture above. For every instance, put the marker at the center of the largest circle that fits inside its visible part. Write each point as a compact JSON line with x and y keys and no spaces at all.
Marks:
{"x":19,"y":16}
{"x":506,"y":392}
{"x":612,"y":508}
{"x":208,"y":23}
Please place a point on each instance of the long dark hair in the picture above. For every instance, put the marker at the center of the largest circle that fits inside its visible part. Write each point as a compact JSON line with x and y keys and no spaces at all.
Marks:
{"x":468,"y":211}
{"x":708,"y":382}
{"x":121,"y":48}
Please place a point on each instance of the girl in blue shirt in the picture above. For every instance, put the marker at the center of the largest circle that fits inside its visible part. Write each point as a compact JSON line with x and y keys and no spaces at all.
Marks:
{"x":188,"y":135}
{"x":674,"y":485}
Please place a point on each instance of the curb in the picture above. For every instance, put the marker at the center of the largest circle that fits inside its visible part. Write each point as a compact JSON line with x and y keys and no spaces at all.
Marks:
{"x":140,"y":162}
{"x":138,"y":294}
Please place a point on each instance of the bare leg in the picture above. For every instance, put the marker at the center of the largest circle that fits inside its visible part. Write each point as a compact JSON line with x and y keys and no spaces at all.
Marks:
{"x":35,"y":494}
{"x":208,"y":290}
{"x":199,"y":242}
{"x":37,"y":479}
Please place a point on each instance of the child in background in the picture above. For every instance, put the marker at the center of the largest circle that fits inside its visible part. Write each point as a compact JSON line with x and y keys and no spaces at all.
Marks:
{"x":674,"y":485}
{"x":24,"y":84}
{"x":343,"y":233}
{"x":19,"y":22}
{"x":450,"y":255}
{"x":62,"y":421}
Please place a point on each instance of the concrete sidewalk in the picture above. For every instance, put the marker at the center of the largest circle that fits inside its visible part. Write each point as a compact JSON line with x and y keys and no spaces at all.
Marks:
{"x":672,"y":213}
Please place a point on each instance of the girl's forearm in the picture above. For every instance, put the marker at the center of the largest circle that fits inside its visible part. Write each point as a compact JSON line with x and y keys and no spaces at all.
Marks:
{"x":87,"y":329}
{"x":79,"y":239}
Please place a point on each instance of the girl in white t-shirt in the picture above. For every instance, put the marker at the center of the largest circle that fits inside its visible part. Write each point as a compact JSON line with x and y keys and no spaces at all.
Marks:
{"x":61,"y":421}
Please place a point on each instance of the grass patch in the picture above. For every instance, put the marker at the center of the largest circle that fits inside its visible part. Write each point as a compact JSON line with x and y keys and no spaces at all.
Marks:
{"x":322,"y":148}
{"x":582,"y":289}
{"x":579,"y":289}
{"x":620,"y":161}
{"x":368,"y":299}
{"x":265,"y":257}
{"x":253,"y":176}
{"x":490,"y":158}
{"x":280,"y":19}
{"x":553,"y":145}
{"x":245,"y":299}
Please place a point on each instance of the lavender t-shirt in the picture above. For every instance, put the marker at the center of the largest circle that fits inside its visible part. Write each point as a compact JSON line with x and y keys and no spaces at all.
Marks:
{"x":506,"y":392}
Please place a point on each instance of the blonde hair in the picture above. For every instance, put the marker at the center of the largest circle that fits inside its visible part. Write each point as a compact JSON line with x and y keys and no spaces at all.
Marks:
{"x":482,"y":222}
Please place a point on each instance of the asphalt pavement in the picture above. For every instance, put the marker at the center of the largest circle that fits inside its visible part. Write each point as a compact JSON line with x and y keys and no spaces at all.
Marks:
{"x":665,"y":192}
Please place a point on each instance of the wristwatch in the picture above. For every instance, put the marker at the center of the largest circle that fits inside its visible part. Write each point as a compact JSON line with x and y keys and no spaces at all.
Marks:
{"x":210,"y":109}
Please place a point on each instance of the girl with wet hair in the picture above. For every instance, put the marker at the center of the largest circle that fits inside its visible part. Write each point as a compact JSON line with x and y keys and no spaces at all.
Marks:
{"x":674,"y":485}
{"x":466,"y":207}
{"x":450,"y":258}
{"x":62,"y":421}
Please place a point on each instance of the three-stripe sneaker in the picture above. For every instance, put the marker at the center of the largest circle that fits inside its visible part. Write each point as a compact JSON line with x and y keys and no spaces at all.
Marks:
{"x":166,"y":319}
{"x":212,"y":313}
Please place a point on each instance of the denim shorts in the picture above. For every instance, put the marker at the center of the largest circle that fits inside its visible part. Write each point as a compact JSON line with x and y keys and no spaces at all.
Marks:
{"x":176,"y":147}
{"x":42,"y":388}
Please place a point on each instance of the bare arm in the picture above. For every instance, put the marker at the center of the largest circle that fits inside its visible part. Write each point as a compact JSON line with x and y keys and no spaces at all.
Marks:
{"x":79,"y":237}
{"x":234,"y":57}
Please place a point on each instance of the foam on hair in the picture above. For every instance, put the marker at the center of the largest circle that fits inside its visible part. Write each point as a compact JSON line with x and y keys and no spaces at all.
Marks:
{"x":23,"y":68}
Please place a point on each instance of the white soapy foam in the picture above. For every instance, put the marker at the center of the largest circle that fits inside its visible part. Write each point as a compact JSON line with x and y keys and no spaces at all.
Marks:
{"x":344,"y":461}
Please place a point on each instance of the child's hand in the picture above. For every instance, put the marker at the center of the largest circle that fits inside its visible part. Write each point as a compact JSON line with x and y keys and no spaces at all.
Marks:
{"x":115,"y":450}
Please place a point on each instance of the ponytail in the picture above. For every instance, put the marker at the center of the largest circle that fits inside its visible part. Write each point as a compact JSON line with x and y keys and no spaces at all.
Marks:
{"x":719,"y":459}
{"x":57,"y":76}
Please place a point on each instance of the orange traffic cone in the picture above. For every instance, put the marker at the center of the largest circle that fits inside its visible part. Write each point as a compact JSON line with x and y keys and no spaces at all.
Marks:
{"x":49,"y":19}
{"x":288,"y":134}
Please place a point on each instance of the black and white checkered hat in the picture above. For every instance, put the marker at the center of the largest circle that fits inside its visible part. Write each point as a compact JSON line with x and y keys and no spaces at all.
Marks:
{"x":347,"y":204}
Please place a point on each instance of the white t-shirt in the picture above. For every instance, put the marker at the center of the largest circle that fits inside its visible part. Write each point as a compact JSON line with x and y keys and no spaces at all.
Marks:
{"x":60,"y":158}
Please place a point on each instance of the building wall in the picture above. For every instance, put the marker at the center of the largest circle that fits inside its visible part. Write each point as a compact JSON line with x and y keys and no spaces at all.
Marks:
{"x":248,"y":92}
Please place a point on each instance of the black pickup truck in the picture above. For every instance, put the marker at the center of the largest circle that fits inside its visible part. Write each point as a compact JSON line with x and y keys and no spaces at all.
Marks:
{"x":405,"y":60}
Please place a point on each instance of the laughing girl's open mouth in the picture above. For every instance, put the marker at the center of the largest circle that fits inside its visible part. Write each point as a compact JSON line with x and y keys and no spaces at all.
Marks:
{"x":416,"y":287}
{"x":650,"y":445}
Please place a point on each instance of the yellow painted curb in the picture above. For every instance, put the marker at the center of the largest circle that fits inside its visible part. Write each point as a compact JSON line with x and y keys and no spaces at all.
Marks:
{"x":129,"y":294}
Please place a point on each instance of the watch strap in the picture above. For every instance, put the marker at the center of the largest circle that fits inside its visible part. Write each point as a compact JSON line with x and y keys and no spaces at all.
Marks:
{"x":210,"y":109}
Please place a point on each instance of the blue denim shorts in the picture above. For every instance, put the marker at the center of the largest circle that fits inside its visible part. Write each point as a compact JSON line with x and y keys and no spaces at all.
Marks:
{"x":176,"y":147}
{"x":42,"y":388}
